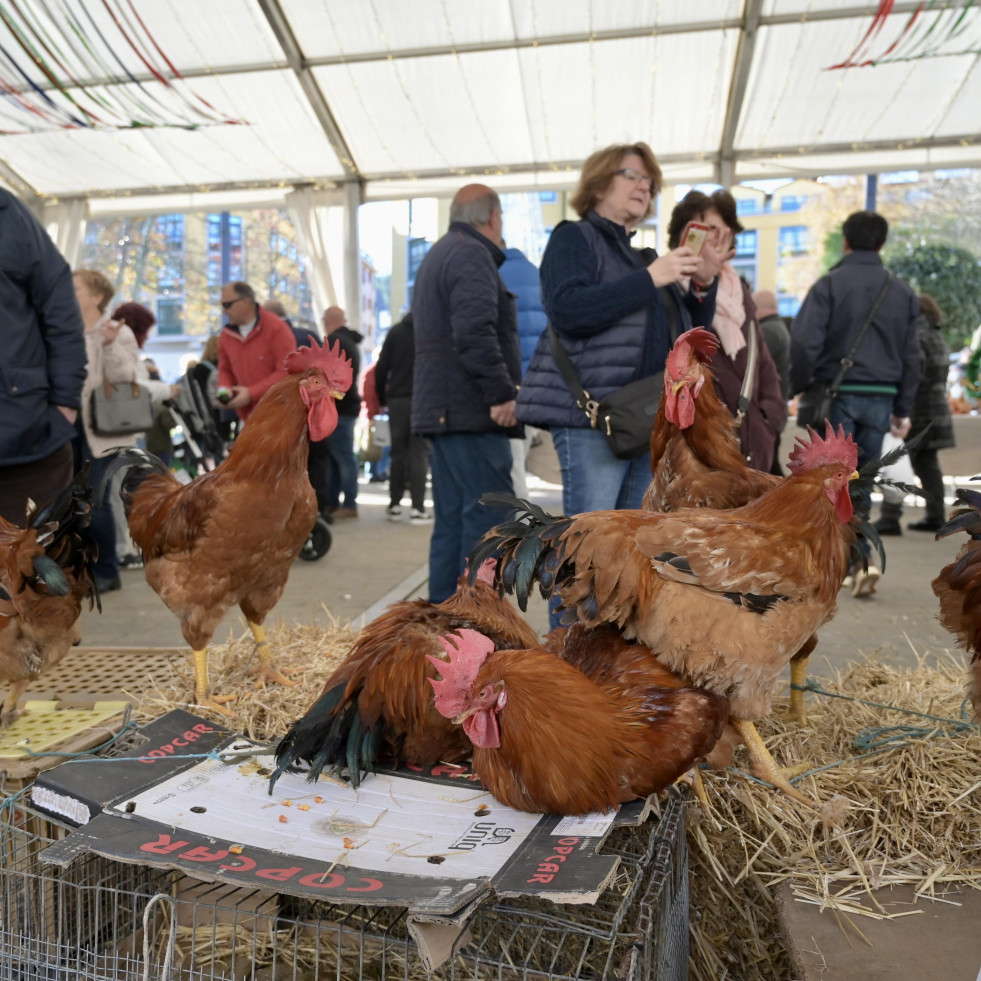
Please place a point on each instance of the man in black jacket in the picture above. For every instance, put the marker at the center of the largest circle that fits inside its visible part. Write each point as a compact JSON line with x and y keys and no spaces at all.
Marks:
{"x":410,"y":453}
{"x":465,"y":380}
{"x":42,"y":362}
{"x":876,"y":395}
{"x":340,"y":443}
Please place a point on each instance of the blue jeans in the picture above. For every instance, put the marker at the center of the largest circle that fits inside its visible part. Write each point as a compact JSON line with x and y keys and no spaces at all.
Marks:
{"x":464,"y":466}
{"x":343,"y":464}
{"x":593,"y":479}
{"x":866,"y":419}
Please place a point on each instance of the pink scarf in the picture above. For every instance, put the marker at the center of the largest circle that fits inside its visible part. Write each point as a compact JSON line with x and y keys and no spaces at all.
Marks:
{"x":730,"y":314}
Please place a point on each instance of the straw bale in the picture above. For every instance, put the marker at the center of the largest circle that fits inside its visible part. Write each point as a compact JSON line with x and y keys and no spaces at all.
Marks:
{"x":307,"y":653}
{"x":912,"y":817}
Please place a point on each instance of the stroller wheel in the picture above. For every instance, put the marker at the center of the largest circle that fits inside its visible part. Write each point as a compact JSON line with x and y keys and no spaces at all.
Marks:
{"x":319,"y":542}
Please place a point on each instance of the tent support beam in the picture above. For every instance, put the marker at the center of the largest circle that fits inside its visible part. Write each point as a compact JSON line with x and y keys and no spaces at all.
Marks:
{"x":726,"y":169}
{"x":287,"y":41}
{"x":352,"y":256}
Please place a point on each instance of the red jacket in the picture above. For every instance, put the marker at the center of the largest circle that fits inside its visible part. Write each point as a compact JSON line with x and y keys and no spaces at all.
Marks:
{"x":255,"y":361}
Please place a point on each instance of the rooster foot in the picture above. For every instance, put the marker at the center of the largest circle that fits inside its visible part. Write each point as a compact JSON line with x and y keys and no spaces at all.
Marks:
{"x":693,"y":779}
{"x":764,"y":767}
{"x":269,"y":674}
{"x":215,"y":703}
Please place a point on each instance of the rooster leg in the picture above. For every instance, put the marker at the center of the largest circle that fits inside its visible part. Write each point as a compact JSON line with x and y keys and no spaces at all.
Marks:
{"x":798,"y":675}
{"x":763,"y":765}
{"x":8,"y":713}
{"x":201,"y":686}
{"x":266,"y":669}
{"x":693,"y":778}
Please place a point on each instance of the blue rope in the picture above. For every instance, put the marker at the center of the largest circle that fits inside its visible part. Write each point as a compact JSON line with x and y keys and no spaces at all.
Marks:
{"x":84,"y":752}
{"x":878,"y":739}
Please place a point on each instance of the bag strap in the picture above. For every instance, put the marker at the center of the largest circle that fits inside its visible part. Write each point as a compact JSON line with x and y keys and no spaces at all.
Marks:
{"x":847,"y":361}
{"x":584,"y":400}
{"x":749,"y":377}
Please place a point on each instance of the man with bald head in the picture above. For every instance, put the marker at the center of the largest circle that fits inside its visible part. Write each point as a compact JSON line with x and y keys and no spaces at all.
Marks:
{"x":465,"y":379}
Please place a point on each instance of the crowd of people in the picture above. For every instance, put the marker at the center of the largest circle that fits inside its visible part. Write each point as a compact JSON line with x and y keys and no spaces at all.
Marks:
{"x":482,"y":360}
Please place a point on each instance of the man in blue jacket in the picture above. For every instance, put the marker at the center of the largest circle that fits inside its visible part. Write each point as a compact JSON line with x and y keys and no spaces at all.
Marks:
{"x":520,"y":276}
{"x":465,"y":379}
{"x":877,"y":392}
{"x":42,"y":362}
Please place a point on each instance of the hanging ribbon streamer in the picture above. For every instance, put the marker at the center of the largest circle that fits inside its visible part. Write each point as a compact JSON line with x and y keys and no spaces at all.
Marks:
{"x":928,"y":32}
{"x":63,"y":67}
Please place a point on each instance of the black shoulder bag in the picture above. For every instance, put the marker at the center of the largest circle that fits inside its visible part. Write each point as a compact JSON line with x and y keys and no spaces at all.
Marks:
{"x":814,"y":405}
{"x":626,"y":415}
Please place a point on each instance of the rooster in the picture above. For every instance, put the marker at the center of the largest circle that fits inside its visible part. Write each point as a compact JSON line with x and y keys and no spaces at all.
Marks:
{"x":45,"y":576}
{"x":378,"y":703}
{"x":230,"y":536}
{"x":696,"y":459}
{"x":724,"y":597}
{"x":549,"y":739}
{"x":958,"y":587}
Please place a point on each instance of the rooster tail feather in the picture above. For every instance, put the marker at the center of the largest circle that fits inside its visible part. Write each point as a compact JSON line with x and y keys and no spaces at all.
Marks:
{"x":308,"y":737}
{"x":868,"y":532}
{"x":355,"y":735}
{"x":50,"y":573}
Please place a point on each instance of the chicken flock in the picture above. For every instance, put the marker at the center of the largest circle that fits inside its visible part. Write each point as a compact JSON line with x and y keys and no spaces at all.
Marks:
{"x":678,"y":618}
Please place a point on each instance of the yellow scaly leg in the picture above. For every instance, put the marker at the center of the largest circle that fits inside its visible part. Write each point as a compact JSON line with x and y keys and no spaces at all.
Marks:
{"x":266,"y":669}
{"x":201,"y":686}
{"x":798,"y":675}
{"x":763,"y":765}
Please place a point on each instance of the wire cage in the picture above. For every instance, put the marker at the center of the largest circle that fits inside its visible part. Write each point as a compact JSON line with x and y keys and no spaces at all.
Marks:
{"x":103,"y":920}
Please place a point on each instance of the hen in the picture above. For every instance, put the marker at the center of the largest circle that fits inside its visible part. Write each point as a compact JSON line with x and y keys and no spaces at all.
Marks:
{"x":45,"y":575}
{"x":378,"y":703}
{"x":549,"y":739}
{"x":230,"y":536}
{"x":958,"y":587}
{"x":697,"y":462}
{"x":724,"y":597}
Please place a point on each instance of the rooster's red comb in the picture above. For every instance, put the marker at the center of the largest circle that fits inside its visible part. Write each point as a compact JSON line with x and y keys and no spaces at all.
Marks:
{"x":700,"y":343}
{"x":821,"y":451}
{"x":466,"y":651}
{"x":329,"y":359}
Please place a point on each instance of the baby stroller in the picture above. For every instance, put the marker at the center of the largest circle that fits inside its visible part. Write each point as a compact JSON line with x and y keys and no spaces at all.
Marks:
{"x":202,"y":449}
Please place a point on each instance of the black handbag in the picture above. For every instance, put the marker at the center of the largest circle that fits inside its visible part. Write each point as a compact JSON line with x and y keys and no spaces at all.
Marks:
{"x":626,"y":415}
{"x":125,"y":407}
{"x":814,"y":405}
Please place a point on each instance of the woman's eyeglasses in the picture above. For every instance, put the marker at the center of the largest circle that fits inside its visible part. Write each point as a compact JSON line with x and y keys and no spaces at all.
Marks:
{"x":637,"y":178}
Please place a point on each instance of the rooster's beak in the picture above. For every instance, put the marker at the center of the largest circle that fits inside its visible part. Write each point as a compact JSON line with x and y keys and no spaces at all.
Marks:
{"x":463,"y":716}
{"x":854,"y":475}
{"x":336,"y":394}
{"x":677,"y":386}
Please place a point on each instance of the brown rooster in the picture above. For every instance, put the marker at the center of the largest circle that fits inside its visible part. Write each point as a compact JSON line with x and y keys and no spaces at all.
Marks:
{"x":549,"y":739}
{"x":230,"y":536}
{"x":45,"y":575}
{"x":378,"y":703}
{"x":697,"y":462}
{"x":725,"y":598}
{"x":958,"y":587}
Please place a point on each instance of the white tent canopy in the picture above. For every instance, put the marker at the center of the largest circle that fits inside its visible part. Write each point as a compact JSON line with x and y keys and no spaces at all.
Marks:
{"x":157,"y":105}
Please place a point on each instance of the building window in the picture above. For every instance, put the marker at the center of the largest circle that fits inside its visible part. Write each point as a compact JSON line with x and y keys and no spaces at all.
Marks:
{"x":170,"y":315}
{"x":793,"y":202}
{"x":793,"y":240}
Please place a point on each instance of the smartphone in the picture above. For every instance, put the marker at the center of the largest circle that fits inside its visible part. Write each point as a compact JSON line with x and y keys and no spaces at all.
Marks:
{"x":694,"y":236}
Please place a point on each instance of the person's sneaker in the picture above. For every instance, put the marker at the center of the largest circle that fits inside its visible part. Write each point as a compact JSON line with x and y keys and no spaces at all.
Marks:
{"x":420,"y":517}
{"x":346,"y":513}
{"x":865,"y":581}
{"x":131,"y":561}
{"x":394,"y":513}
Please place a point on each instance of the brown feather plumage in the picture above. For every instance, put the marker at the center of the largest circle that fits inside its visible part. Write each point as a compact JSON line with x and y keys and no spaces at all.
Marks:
{"x":571,"y":744}
{"x":958,"y":587}
{"x":386,"y":676}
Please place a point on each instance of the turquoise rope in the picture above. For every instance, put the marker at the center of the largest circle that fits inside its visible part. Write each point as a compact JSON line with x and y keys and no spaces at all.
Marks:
{"x":877,"y":739}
